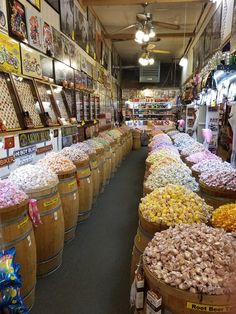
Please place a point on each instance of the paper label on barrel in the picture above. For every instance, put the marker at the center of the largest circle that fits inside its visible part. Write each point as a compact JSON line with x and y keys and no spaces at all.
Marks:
{"x":88,"y":180}
{"x":72,"y":183}
{"x":29,"y":240}
{"x":75,"y":196}
{"x":52,"y":202}
{"x":55,"y":216}
{"x":84,"y":173}
{"x":208,"y":308}
{"x":22,"y":223}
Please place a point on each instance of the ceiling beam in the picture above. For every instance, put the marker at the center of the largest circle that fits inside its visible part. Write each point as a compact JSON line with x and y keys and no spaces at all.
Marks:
{"x":134,"y":2}
{"x":123,"y":37}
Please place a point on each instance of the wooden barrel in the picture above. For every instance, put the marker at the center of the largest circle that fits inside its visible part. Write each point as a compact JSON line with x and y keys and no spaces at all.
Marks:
{"x":151,"y":227}
{"x":95,"y":174}
{"x":136,"y":140}
{"x":68,"y":190}
{"x":101,"y":166}
{"x":85,"y":189}
{"x":196,"y":174}
{"x":119,"y":152}
{"x":148,"y":165}
{"x":17,"y":231}
{"x":108,"y":163}
{"x":141,"y":240}
{"x":113,"y":159}
{"x":146,"y":190}
{"x":49,"y":235}
{"x":216,"y":197}
{"x":182,"y":302}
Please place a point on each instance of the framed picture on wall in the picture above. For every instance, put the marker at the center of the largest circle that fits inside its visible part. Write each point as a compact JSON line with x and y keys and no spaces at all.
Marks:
{"x":80,"y":27}
{"x":17,"y":20}
{"x":34,"y":26}
{"x":233,"y":33}
{"x":208,"y":40}
{"x":47,"y":67}
{"x":98,"y":42}
{"x":47,"y":40}
{"x":216,"y":28}
{"x":67,"y":17}
{"x":92,"y":34}
{"x":3,"y":17}
{"x":36,"y":4}
{"x":54,"y":4}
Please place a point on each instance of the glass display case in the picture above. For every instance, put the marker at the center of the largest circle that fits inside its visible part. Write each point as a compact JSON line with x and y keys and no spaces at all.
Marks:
{"x":92,"y":107}
{"x":79,"y":105}
{"x":86,"y":107}
{"x":57,"y":93}
{"x":26,"y":92}
{"x":9,"y":111}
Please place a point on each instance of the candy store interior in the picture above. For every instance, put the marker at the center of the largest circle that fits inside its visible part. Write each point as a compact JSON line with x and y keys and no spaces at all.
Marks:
{"x":117,"y":156}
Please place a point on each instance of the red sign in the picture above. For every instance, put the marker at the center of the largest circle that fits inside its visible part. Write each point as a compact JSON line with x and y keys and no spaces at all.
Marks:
{"x":44,"y":149}
{"x":9,"y":142}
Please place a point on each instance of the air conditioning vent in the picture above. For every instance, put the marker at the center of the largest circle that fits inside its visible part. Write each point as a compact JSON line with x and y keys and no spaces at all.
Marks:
{"x":150,"y":74}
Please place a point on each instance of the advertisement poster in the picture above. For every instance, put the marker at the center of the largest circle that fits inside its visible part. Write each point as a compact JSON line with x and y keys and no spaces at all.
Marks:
{"x":105,"y":54}
{"x":63,"y":73}
{"x":208,"y":40}
{"x":47,"y":67}
{"x":80,"y":27}
{"x":226,"y":19}
{"x":98,"y":42}
{"x":34,"y":26}
{"x":233,"y":33}
{"x":36,"y":4}
{"x":17,"y":20}
{"x":74,"y":56}
{"x":3,"y":17}
{"x":58,"y":44}
{"x":65,"y":50}
{"x":31,"y":65}
{"x":216,"y":26}
{"x":92,"y":34}
{"x":54,"y":4}
{"x":47,"y":41}
{"x":67,"y":7}
{"x":9,"y":55}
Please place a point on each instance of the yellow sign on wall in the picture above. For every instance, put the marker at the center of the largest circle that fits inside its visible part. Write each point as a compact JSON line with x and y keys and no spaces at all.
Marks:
{"x":9,"y":55}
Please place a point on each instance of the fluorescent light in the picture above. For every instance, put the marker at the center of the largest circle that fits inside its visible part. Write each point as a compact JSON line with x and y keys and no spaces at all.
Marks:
{"x":183,"y":62}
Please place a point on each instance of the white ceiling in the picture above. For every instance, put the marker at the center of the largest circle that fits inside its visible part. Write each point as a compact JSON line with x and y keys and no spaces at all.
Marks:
{"x":116,"y":17}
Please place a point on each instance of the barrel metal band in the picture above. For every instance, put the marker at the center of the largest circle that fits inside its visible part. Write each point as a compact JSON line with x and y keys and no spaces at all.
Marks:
{"x":68,"y":193}
{"x":12,"y":243}
{"x":50,"y":258}
{"x":49,"y":212}
{"x":9,"y":222}
{"x":45,"y":196}
{"x":66,"y":180}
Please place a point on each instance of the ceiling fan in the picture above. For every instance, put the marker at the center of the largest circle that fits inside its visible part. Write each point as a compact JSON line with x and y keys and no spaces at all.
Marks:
{"x":145,"y":18}
{"x":151,"y":47}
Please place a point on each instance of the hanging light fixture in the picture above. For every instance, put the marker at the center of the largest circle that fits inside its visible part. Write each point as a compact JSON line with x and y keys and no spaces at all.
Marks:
{"x":152,"y":32}
{"x":145,"y":60}
{"x":144,"y":33}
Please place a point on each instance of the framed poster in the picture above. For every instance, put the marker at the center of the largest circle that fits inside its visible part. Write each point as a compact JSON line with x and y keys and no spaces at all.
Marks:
{"x":3,"y":17}
{"x":31,"y":62}
{"x":17,"y":20}
{"x":58,"y":44}
{"x":54,"y":4}
{"x":66,"y":50}
{"x":63,"y":73}
{"x":92,"y":34}
{"x":226,"y":19}
{"x":115,"y":63}
{"x":36,"y":3}
{"x":98,"y":42}
{"x":216,"y":27}
{"x":47,"y":40}
{"x":67,"y":17}
{"x":208,"y":40}
{"x":80,"y":27}
{"x":34,"y":26}
{"x":74,"y":56}
{"x":47,"y":67}
{"x":105,"y":55}
{"x":233,"y":32}
{"x":78,"y":79}
{"x":9,"y":55}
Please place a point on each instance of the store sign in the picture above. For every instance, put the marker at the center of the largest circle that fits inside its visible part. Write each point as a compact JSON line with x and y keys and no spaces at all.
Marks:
{"x":27,"y":139}
{"x":44,"y":149}
{"x":9,"y":142}
{"x":25,"y":151}
{"x":6,"y":161}
{"x":27,"y":159}
{"x":9,"y":55}
{"x":208,"y":308}
{"x":69,"y":131}
{"x":226,"y":19}
{"x":31,"y":63}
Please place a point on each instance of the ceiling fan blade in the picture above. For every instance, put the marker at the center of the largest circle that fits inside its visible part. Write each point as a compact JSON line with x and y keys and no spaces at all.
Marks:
{"x":150,"y":46}
{"x":124,"y":29}
{"x":141,"y":16}
{"x":166,"y":25}
{"x":166,"y":52}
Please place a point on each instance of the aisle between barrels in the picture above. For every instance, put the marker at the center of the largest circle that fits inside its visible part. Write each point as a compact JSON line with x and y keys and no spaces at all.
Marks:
{"x":95,"y":275}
